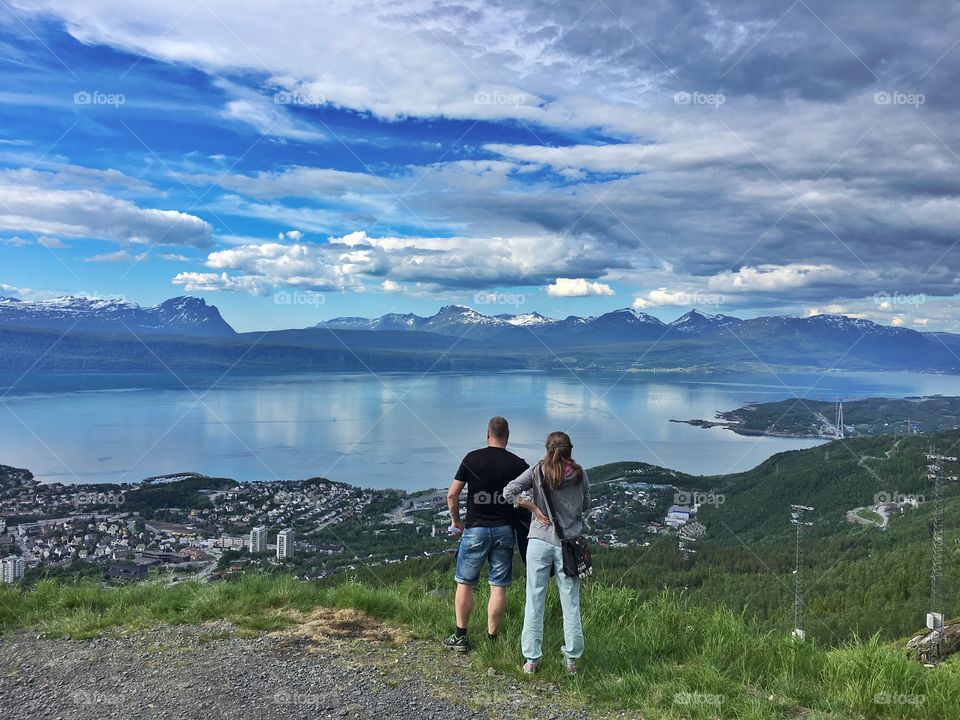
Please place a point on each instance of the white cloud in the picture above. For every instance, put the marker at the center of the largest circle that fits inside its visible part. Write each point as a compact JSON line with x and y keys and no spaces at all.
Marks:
{"x":47,"y":173}
{"x":120,"y":256}
{"x":210,"y":282}
{"x":317,"y":220}
{"x":52,"y":243}
{"x":577,"y":287}
{"x":833,"y":309}
{"x":666,"y":154}
{"x":356,"y":259}
{"x":392,"y":286}
{"x":801,"y":175}
{"x":917,"y":311}
{"x":11,"y":291}
{"x":773,"y":278}
{"x":294,"y":235}
{"x":423,"y":63}
{"x":280,"y":265}
{"x":678,"y":297}
{"x":294,"y":181}
{"x":266,"y":117}
{"x":89,"y":214}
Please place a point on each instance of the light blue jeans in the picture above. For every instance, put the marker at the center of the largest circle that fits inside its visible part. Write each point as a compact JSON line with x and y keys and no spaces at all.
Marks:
{"x":541,"y":556}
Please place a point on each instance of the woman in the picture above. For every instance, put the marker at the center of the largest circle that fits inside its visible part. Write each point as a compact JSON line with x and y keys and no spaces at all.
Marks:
{"x":568,"y":486}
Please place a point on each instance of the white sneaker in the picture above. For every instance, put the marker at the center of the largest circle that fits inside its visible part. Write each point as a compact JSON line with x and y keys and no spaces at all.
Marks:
{"x":529,"y":667}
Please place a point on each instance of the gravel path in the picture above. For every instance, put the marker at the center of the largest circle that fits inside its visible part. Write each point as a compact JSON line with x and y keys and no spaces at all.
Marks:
{"x":211,"y":672}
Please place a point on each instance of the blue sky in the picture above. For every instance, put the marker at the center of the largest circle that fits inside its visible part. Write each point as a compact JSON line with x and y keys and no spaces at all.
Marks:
{"x":304,"y":162}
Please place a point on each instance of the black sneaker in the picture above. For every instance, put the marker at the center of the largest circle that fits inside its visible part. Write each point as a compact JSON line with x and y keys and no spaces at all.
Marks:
{"x":457,"y":642}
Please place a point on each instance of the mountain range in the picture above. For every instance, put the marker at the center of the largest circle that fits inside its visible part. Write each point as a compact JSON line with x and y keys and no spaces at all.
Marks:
{"x":623,"y":325}
{"x":105,"y":335}
{"x":176,"y":316}
{"x":628,"y":338}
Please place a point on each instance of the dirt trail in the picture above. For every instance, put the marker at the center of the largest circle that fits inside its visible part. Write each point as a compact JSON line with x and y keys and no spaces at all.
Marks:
{"x":335,"y":664}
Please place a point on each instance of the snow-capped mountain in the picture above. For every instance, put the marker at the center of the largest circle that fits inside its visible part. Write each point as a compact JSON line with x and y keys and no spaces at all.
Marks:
{"x":823,"y":326}
{"x":530,"y":319}
{"x":397,"y":321}
{"x":391,"y":321}
{"x":697,"y":323}
{"x":620,"y":325}
{"x":457,"y":319}
{"x":179,"y":315}
{"x":456,"y":337}
{"x":631,"y":325}
{"x":449,"y":320}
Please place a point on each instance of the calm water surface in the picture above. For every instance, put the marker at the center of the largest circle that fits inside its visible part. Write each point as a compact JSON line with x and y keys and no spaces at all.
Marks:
{"x":404,"y":431}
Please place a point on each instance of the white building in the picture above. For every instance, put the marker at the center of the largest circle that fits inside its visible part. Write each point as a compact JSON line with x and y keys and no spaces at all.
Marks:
{"x":12,"y":569}
{"x":258,"y":540}
{"x":227,"y":542}
{"x":285,"y":544}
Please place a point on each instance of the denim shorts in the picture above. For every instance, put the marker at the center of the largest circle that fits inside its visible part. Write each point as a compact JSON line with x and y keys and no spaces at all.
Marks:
{"x":490,"y":544}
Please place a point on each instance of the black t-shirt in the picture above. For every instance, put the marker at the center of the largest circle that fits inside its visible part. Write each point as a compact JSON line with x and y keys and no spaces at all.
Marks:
{"x":486,"y":473}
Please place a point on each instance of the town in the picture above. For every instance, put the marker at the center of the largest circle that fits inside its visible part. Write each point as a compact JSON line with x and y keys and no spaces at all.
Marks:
{"x":194,"y":526}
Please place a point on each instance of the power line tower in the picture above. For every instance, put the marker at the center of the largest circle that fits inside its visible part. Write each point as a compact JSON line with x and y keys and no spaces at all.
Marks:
{"x":798,"y":518}
{"x":935,"y":615}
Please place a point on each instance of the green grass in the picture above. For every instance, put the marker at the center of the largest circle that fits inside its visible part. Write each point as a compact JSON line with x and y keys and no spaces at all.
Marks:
{"x":868,"y":514}
{"x":664,"y":658}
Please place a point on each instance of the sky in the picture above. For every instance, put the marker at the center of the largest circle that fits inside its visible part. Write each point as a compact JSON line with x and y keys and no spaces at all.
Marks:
{"x":296,"y":161}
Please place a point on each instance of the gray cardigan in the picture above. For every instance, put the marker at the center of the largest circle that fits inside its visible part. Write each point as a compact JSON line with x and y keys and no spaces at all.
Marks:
{"x":571,"y":501}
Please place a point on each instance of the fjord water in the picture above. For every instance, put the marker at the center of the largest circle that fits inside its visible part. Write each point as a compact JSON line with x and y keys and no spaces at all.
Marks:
{"x":402,"y":430}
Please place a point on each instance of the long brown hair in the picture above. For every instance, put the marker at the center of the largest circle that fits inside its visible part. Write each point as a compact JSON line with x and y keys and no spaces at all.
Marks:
{"x":558,"y":459}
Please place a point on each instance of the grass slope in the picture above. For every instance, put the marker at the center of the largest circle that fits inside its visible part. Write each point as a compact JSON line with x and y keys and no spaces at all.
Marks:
{"x":664,"y":658}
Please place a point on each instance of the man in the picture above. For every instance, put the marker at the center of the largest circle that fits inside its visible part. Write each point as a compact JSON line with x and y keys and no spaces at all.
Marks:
{"x":488,"y":533}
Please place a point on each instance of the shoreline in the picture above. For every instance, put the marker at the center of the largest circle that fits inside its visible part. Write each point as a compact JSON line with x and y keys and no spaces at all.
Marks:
{"x":747,"y":432}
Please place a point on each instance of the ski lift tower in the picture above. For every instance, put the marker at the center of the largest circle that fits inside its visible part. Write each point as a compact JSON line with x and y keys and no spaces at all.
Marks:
{"x":935,"y":616}
{"x":798,"y":518}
